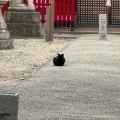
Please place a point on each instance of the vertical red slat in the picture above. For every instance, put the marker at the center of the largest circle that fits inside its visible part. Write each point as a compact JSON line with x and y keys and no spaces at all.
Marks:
{"x":58,"y":7}
{"x":47,"y":2}
{"x":40,"y":1}
{"x":72,"y":10}
{"x":68,"y":10}
{"x":26,"y":2}
{"x":43,"y":10}
{"x":38,"y":6}
{"x":64,"y":10}
{"x":60,"y":10}
{"x":34,"y":2}
{"x":56,"y":10}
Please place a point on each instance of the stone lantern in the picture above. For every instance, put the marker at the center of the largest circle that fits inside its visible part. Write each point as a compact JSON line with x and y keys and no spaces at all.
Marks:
{"x":5,"y":41}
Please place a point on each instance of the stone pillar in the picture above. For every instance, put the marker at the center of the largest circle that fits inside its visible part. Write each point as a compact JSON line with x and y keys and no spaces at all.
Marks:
{"x":103,"y":27}
{"x":5,"y":41}
{"x":49,"y":22}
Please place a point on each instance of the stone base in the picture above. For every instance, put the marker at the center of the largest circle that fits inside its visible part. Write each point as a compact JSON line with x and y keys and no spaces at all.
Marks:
{"x":23,"y":24}
{"x":6,"y":44}
{"x":23,"y":30}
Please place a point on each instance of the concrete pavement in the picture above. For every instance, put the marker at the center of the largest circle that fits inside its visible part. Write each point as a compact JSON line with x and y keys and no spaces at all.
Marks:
{"x":86,"y":88}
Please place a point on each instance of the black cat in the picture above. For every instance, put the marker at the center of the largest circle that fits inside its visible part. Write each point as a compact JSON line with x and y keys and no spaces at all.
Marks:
{"x":59,"y":60}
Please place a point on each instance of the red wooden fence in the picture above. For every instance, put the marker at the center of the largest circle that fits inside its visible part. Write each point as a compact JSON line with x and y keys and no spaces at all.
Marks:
{"x":64,"y":11}
{"x":63,"y":15}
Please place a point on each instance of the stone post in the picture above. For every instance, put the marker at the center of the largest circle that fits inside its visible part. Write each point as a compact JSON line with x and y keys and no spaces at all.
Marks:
{"x":52,"y":20}
{"x":103,"y":27}
{"x":5,"y":41}
{"x":48,"y":25}
{"x":9,"y":103}
{"x":49,"y":22}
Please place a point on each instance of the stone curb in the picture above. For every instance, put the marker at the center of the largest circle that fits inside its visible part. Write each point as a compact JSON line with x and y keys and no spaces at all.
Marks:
{"x":79,"y":33}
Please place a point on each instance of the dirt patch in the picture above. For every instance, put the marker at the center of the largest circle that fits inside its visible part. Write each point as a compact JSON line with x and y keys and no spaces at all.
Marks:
{"x":16,"y":64}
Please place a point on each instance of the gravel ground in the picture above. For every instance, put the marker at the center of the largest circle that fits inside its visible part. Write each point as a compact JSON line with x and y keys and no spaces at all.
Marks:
{"x":16,"y":64}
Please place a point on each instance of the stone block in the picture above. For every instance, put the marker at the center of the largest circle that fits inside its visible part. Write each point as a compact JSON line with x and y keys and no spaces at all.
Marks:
{"x":23,"y":24}
{"x":103,"y":27}
{"x":24,"y":30}
{"x":22,"y":17}
{"x":9,"y":106}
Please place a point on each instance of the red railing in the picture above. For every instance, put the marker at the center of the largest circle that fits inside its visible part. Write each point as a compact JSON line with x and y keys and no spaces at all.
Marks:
{"x":41,"y":7}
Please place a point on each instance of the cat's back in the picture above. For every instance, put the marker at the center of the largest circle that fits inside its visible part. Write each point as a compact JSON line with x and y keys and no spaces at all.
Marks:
{"x":55,"y":60}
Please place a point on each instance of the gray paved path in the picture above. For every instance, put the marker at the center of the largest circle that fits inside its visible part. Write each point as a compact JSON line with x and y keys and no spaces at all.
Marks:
{"x":86,"y":88}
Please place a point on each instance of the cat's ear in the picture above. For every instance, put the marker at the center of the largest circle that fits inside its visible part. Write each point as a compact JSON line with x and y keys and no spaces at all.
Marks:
{"x":63,"y":55}
{"x":58,"y":54}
